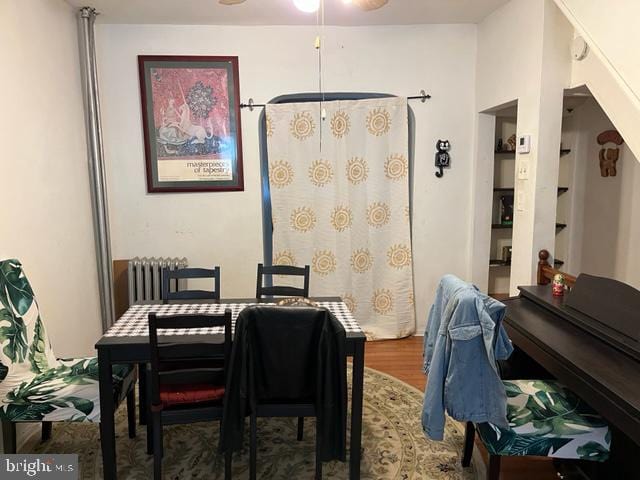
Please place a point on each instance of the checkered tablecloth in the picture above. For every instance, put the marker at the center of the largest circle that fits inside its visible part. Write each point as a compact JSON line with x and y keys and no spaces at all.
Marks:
{"x":134,"y":322}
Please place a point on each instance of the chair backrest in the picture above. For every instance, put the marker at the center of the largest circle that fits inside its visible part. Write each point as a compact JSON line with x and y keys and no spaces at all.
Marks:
{"x":166,"y":355}
{"x":282,"y":291}
{"x":286,"y":344}
{"x":23,"y":337}
{"x":285,"y":359}
{"x":189,"y":273}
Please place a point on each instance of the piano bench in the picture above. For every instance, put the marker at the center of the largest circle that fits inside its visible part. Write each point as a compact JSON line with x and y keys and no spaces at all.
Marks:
{"x":545,"y":419}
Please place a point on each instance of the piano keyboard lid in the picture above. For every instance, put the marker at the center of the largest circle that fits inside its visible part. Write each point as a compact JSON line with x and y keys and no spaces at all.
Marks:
{"x":605,"y":307}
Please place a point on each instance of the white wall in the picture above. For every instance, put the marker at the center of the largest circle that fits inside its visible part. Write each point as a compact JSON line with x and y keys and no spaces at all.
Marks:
{"x":523,"y":55}
{"x":613,"y":30}
{"x":45,"y":219}
{"x":225,"y":228}
{"x":611,"y":69}
{"x":609,"y":208}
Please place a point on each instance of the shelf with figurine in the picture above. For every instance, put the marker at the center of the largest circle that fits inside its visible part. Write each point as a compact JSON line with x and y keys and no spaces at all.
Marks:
{"x":497,"y":226}
{"x":497,"y":262}
{"x":509,"y":147}
{"x":563,"y":152}
{"x":561,"y":190}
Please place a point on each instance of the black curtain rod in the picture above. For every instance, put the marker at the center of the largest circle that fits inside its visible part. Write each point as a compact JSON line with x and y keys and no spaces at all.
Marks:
{"x":423,"y":97}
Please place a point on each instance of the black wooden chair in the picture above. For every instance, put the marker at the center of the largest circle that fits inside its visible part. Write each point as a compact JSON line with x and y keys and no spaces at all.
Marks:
{"x":280,"y":371}
{"x":190,"y":273}
{"x":282,"y":291}
{"x":168,"y":294}
{"x":184,"y":395}
{"x":280,"y":410}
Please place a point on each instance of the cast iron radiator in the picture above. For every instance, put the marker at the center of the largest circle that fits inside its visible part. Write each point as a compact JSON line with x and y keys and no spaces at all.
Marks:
{"x":145,"y":277}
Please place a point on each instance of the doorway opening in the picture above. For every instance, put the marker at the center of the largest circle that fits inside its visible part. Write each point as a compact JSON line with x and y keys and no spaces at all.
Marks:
{"x":502,"y":207}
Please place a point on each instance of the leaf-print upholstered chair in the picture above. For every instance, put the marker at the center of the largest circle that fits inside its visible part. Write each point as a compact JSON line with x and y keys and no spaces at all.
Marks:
{"x":35,"y":386}
{"x":545,"y":419}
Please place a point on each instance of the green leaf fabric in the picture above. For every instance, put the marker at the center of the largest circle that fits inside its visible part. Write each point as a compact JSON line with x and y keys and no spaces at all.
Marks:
{"x":23,"y":337}
{"x":37,"y":351}
{"x":593,"y":451}
{"x":34,"y":384}
{"x":546,"y":419}
{"x":3,"y":371}
{"x":27,"y":413}
{"x":14,"y":287}
{"x":69,"y":392}
{"x":14,"y":336}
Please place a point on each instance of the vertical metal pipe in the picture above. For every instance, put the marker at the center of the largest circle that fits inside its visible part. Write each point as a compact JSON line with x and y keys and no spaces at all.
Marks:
{"x":87,"y":17}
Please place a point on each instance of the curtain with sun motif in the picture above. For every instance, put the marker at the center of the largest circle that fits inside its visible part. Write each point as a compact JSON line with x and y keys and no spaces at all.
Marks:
{"x":340,"y":203}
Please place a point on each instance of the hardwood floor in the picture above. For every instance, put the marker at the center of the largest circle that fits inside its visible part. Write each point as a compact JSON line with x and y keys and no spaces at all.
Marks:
{"x":399,"y":358}
{"x":403,"y":360}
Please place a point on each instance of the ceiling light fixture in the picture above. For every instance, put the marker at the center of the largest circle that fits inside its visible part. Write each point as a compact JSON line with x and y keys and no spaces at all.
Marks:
{"x":307,"y":6}
{"x":368,"y":5}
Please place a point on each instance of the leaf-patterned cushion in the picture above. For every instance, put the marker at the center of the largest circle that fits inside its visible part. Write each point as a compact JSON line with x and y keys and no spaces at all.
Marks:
{"x":547,"y":419}
{"x":68,"y":393}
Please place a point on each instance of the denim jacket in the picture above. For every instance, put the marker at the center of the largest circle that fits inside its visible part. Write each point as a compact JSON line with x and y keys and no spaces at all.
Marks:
{"x":460,"y":353}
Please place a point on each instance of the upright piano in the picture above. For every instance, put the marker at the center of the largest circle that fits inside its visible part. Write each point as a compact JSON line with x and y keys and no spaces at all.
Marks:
{"x":589,"y":339}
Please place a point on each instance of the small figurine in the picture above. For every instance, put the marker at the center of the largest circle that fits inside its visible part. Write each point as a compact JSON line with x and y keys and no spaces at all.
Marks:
{"x":506,"y":213}
{"x":558,"y":285}
{"x":443,"y":160}
{"x":609,"y":156}
{"x":506,"y":254}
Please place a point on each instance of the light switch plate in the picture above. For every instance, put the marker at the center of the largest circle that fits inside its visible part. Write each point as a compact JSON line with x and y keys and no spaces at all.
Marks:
{"x":523,"y":169}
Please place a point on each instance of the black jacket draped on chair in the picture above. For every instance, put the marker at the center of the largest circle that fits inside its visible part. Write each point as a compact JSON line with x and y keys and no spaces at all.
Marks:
{"x":285,"y":355}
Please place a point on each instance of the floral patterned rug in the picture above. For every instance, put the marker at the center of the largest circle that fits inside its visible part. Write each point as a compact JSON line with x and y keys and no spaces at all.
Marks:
{"x":394,"y":446}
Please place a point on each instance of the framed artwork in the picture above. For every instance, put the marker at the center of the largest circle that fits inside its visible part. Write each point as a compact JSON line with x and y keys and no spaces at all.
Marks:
{"x":191,"y":123}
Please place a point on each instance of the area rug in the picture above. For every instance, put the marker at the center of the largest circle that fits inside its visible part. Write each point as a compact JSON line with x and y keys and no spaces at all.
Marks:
{"x":394,"y":446}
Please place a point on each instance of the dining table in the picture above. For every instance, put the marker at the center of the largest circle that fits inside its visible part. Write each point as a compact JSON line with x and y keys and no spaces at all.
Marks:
{"x":127,"y":342}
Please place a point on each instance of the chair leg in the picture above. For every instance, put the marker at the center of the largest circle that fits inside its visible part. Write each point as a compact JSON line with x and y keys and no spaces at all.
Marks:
{"x":149,"y":438}
{"x":227,"y":464}
{"x":493,"y":469}
{"x":147,"y":414}
{"x":46,"y":431}
{"x":469,"y":437}
{"x":318,"y":461}
{"x":253,"y":448}
{"x":131,"y":412}
{"x":157,"y":445}
{"x":9,"y":437}
{"x":300,"y":428}
{"x":149,"y":432}
{"x":142,"y":393}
